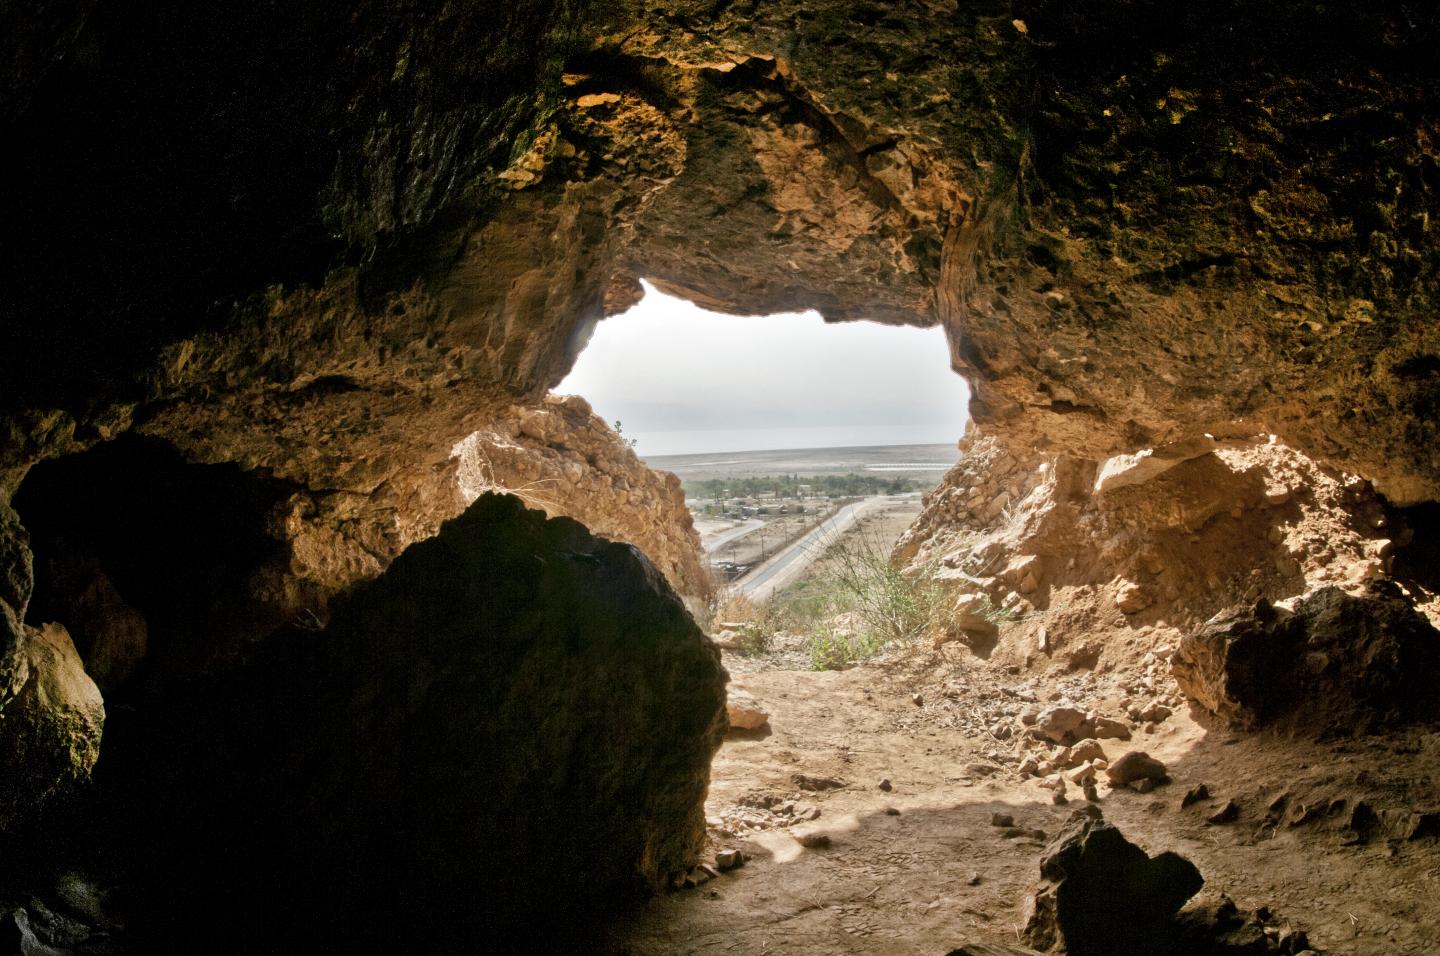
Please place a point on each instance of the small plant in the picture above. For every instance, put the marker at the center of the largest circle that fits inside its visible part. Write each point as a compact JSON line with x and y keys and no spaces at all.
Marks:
{"x":859,"y":604}
{"x":753,"y":623}
{"x":834,"y":648}
{"x":629,"y":443}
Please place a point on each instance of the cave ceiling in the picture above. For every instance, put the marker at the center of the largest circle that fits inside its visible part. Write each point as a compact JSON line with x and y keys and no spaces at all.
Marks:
{"x":328,"y":241}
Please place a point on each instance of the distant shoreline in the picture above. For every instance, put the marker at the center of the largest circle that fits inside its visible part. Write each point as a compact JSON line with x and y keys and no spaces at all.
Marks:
{"x":918,"y":459}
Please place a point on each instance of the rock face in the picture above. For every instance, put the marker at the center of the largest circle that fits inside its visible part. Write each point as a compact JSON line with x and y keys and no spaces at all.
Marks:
{"x":561,"y":457}
{"x":469,"y":745}
{"x":1101,"y":894}
{"x":1221,"y":523}
{"x":51,"y":720}
{"x":1336,"y":663}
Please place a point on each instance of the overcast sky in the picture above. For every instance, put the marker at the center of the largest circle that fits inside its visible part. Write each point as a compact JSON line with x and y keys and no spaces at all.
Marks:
{"x":668,"y":367}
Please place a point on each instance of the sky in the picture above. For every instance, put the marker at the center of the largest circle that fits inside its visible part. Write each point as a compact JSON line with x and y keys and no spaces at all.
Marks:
{"x":682,"y":380}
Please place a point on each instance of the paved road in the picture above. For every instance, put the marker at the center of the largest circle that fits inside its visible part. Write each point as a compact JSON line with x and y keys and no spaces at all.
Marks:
{"x":735,"y":533}
{"x":787,"y":565}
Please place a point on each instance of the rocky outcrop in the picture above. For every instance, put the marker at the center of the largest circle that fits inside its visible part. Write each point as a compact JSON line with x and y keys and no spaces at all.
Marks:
{"x":1056,"y":553}
{"x":562,"y":458}
{"x":515,"y":716}
{"x":51,"y":721}
{"x":1335,"y":663}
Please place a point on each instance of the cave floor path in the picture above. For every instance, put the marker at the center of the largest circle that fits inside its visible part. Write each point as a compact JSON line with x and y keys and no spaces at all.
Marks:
{"x":936,"y":874}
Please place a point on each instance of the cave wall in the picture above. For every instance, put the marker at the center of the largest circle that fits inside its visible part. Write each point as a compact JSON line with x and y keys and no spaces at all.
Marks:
{"x":320,"y":246}
{"x":1060,"y":563}
{"x":560,"y":457}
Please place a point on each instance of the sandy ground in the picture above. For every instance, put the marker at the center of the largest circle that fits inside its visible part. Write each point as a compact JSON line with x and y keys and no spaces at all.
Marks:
{"x":937,"y":874}
{"x":919,"y":869}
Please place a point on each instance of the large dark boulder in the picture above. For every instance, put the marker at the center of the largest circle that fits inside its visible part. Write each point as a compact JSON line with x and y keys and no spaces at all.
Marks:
{"x":510,"y":728}
{"x":1100,"y":894}
{"x":1337,"y":663}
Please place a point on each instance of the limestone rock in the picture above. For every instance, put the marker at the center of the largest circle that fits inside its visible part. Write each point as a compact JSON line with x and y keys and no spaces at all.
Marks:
{"x":1132,"y":597}
{"x":51,"y":719}
{"x":729,"y":859}
{"x":17,"y":575}
{"x":1100,"y":894}
{"x":1063,"y":725}
{"x":1337,"y":663}
{"x":1135,"y":766}
{"x":744,"y":711}
{"x":561,"y":457}
{"x":1123,"y":471}
{"x":1107,"y":728}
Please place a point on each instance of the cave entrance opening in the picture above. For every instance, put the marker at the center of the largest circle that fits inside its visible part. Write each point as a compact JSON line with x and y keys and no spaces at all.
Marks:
{"x":803,"y":449}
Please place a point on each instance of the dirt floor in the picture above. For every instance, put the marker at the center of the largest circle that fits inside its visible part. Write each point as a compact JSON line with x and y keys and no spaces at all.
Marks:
{"x":1338,"y":838}
{"x":936,"y":874}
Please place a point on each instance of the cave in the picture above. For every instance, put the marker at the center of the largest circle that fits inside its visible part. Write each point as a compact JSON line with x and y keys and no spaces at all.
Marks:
{"x":287,"y":294}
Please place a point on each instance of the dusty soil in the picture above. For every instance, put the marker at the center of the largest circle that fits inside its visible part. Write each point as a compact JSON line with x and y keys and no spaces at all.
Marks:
{"x":936,"y":874}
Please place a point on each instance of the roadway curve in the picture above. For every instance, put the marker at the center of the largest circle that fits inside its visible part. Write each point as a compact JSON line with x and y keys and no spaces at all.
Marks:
{"x":734,"y":534}
{"x":785,"y":566}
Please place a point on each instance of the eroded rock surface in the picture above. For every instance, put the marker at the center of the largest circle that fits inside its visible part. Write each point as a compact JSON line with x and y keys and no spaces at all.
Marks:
{"x":1336,"y":663}
{"x":562,"y":458}
{"x":51,"y":721}
{"x":517,"y":716}
{"x":1052,"y":552}
{"x":409,"y":220}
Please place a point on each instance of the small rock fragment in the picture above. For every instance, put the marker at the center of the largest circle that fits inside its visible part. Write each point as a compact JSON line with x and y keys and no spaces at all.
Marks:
{"x":1155,"y":713}
{"x":806,"y":811}
{"x":1061,"y":724}
{"x":1226,"y":814}
{"x":1132,"y":598}
{"x":813,"y":841}
{"x":885,"y":785}
{"x":729,"y":859}
{"x":816,"y":783}
{"x":892,"y":812}
{"x":1194,"y":795}
{"x":1135,"y":765}
{"x":1089,"y":788}
{"x":1107,"y":728}
{"x":1085,"y":750}
{"x":744,"y":711}
{"x":1001,"y":820}
{"x":917,"y":699}
{"x":974,"y":879}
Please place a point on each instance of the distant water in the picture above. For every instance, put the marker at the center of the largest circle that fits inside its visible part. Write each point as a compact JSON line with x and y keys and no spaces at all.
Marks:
{"x":657,"y":443}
